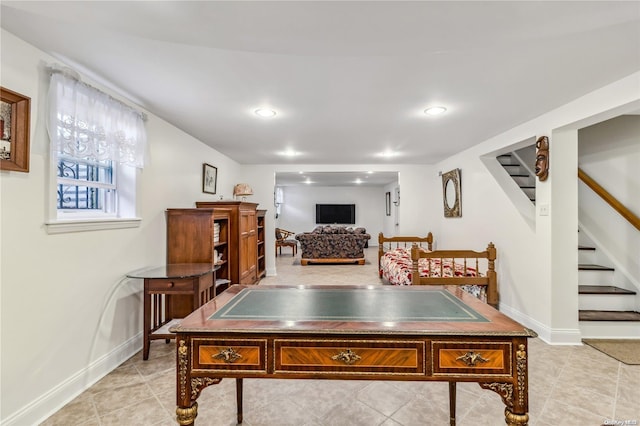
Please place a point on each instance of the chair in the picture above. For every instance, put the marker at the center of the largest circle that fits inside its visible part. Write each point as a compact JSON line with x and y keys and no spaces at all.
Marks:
{"x":282,"y":241}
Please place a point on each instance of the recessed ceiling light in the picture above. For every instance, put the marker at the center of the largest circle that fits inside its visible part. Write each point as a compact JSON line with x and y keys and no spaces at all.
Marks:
{"x":388,"y":154}
{"x":437,"y":110}
{"x":289,"y":153}
{"x":265,"y":112}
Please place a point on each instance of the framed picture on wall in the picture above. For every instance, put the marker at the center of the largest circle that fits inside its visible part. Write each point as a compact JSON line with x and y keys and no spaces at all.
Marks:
{"x":387,"y":201}
{"x":209,"y":178}
{"x":14,"y":131}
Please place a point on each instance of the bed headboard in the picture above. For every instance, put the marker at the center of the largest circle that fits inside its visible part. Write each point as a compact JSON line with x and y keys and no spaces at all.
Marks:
{"x":390,"y":243}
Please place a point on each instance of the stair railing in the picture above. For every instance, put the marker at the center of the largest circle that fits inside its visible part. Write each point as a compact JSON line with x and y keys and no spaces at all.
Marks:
{"x":610,"y":199}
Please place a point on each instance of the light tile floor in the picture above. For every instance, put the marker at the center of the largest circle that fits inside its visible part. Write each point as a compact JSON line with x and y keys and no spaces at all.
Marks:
{"x":569,"y":385}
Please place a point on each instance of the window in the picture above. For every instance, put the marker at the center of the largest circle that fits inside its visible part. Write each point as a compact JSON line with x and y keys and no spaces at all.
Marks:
{"x":97,"y":143}
{"x":86,"y":186}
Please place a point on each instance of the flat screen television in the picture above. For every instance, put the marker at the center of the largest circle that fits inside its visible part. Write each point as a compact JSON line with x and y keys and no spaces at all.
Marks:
{"x":336,"y":213}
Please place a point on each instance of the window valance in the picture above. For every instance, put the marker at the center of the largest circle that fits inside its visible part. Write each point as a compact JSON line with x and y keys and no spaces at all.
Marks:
{"x":86,"y":123}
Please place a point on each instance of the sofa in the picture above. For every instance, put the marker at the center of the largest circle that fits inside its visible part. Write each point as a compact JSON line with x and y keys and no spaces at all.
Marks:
{"x":333,"y":244}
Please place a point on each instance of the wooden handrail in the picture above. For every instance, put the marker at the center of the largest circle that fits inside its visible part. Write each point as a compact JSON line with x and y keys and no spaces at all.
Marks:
{"x":610,"y":199}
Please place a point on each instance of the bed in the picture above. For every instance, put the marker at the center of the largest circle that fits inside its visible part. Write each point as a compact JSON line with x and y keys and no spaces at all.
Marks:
{"x":412,"y":261}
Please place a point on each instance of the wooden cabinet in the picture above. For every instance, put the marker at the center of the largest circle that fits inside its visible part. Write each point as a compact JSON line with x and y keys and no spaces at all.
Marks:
{"x":200,"y":236}
{"x":262,"y":267}
{"x":243,"y":239}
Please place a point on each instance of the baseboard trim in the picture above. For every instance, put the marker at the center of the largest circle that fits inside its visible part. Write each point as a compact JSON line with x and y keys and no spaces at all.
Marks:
{"x":47,"y":404}
{"x":548,"y":335}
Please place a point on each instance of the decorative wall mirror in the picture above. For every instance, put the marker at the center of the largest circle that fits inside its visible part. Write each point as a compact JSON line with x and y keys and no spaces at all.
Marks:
{"x":451,"y":195}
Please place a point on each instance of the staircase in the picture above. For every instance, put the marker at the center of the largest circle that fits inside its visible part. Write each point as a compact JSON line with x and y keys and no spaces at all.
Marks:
{"x":516,"y":164}
{"x":605,"y":310}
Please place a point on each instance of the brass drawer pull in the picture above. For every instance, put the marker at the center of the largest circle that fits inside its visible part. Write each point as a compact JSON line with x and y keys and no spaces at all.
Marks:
{"x":228,"y":355}
{"x":471,"y":358}
{"x":348,"y":357}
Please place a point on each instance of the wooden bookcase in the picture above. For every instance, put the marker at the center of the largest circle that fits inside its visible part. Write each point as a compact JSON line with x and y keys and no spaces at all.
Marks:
{"x":243,"y":239}
{"x":221,"y":247}
{"x":262,"y":267}
{"x":197,"y":236}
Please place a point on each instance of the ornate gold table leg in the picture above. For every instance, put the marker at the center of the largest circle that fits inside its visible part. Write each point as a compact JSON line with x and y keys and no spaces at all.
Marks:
{"x":515,"y":419}
{"x":186,"y":416}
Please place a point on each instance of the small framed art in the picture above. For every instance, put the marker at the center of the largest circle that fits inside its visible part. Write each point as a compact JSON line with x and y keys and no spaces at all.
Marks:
{"x":14,"y":131}
{"x":209,"y":178}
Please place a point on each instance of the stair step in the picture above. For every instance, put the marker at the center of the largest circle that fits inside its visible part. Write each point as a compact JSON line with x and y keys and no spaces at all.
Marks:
{"x":603,"y":289}
{"x":589,"y":267}
{"x":592,"y":315}
{"x":504,"y":159}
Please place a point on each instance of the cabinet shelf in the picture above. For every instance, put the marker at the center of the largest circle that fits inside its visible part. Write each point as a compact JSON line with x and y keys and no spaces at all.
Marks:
{"x":262,"y":262}
{"x":222,"y":281}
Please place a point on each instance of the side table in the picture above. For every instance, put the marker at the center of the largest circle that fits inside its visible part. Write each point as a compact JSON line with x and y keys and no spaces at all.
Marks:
{"x":171,"y":292}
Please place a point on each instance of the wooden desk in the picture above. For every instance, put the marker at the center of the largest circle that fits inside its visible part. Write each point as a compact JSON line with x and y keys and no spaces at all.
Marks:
{"x":352,"y":333}
{"x":172,"y":292}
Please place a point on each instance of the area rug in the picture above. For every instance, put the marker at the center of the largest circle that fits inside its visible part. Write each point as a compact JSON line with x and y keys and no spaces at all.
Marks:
{"x":624,"y":350}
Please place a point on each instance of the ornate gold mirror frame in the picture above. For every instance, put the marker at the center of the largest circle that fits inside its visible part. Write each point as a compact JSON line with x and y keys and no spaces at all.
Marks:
{"x":451,"y":194}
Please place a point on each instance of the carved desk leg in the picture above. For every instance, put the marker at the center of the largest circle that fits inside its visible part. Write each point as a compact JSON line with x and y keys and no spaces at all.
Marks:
{"x":186,"y":412}
{"x":518,"y":415}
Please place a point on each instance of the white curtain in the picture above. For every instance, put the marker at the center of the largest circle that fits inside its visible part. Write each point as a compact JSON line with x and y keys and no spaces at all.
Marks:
{"x":85,"y":123}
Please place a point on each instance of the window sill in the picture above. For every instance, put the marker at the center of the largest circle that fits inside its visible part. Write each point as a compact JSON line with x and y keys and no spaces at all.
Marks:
{"x":67,"y":226}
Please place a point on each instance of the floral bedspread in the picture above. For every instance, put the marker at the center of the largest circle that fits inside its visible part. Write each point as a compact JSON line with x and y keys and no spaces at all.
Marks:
{"x":395,"y":267}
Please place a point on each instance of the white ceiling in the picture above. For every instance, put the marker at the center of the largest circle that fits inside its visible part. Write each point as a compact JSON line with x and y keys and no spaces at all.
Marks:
{"x":349,"y":80}
{"x":336,"y":178}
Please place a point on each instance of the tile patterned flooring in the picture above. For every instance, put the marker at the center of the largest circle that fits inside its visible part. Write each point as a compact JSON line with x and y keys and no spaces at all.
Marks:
{"x":569,"y":385}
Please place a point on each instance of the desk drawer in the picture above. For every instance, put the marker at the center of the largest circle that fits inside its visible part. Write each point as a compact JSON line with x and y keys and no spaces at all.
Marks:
{"x":166,"y":286}
{"x":349,"y":356}
{"x":230,"y":355}
{"x":471,"y":358}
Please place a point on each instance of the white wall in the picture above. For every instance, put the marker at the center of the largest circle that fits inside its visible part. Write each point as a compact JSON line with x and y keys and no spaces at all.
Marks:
{"x":299,"y":209}
{"x":68,"y":315}
{"x":391,"y":223}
